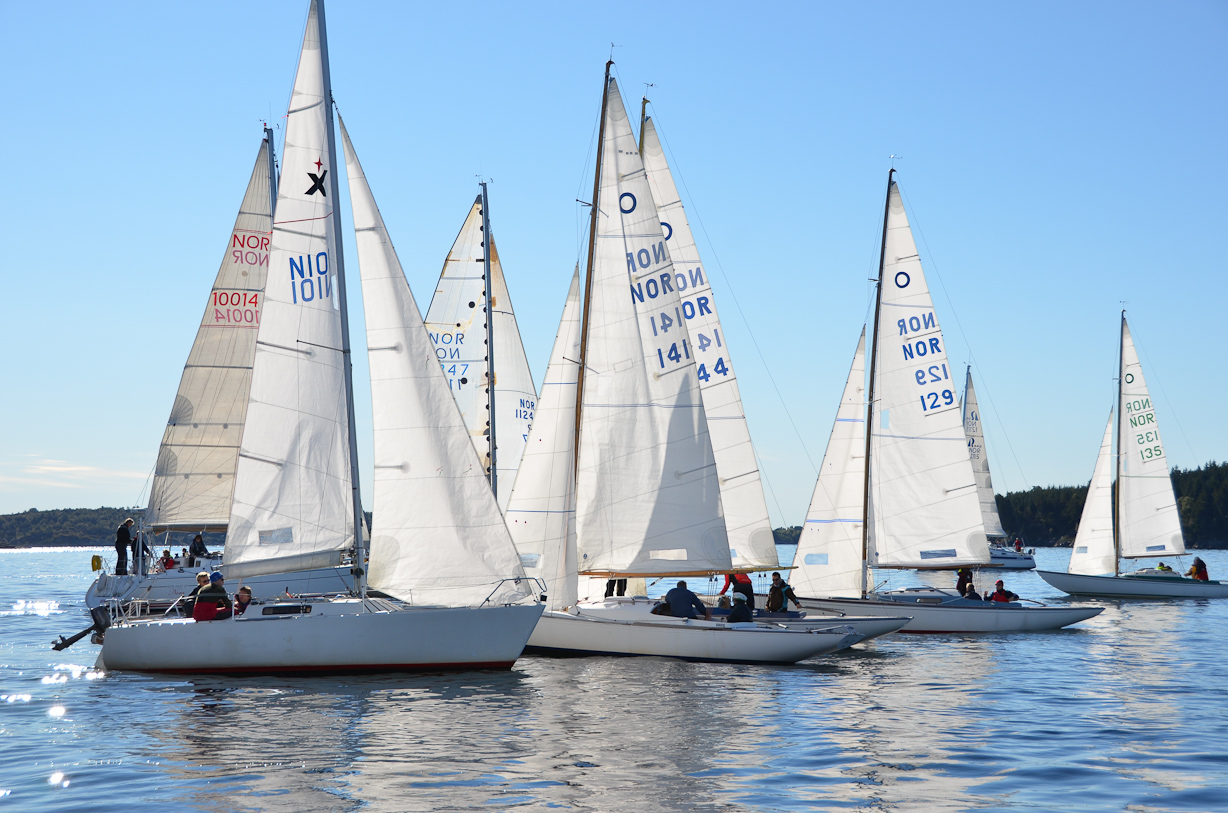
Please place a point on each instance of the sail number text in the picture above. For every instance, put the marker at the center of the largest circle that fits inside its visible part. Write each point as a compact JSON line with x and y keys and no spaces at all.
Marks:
{"x":1146,"y":432}
{"x":234,"y":309}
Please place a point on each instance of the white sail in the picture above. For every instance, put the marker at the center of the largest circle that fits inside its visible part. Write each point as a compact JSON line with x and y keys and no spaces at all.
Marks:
{"x":924,"y":506}
{"x":1148,"y":522}
{"x":456,"y":320}
{"x":438,"y":535}
{"x":293,"y":491}
{"x":980,"y":462}
{"x":751,"y":542}
{"x":541,"y":512}
{"x":647,"y":496}
{"x":828,"y":559}
{"x":1094,"y":553}
{"x":195,"y":473}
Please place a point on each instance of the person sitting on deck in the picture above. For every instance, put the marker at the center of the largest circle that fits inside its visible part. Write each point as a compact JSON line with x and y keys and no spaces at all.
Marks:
{"x":213,"y":602}
{"x":1164,"y":568}
{"x":1198,"y":570}
{"x":167,"y":561}
{"x":1002,"y":594}
{"x":741,"y":583}
{"x":964,"y":581}
{"x":243,"y":600}
{"x":779,"y":596}
{"x":971,"y":594}
{"x":189,"y":601}
{"x":685,"y":604}
{"x":740,"y":614}
{"x":197,"y":550}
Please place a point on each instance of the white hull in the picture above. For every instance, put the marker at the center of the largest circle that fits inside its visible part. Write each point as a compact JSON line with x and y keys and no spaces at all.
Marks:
{"x":938,"y":611}
{"x":1010,"y":559}
{"x":1134,"y":586}
{"x":162,"y":589}
{"x":336,"y":637}
{"x":560,"y":633}
{"x":639,"y":608}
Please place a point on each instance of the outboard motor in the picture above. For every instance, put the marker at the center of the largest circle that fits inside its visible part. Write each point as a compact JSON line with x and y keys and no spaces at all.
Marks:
{"x":102,"y":620}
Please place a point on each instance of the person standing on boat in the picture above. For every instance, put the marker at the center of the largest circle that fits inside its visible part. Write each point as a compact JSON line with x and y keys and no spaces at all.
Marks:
{"x":741,"y":613}
{"x":964,"y":581}
{"x":197,"y":550}
{"x":685,"y":604}
{"x":779,"y":596}
{"x":1198,"y":570}
{"x":741,"y":583}
{"x":124,"y":540}
{"x":1002,"y":594}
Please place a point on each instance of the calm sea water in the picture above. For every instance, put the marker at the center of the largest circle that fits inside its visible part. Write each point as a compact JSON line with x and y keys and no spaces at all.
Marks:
{"x":1128,"y":711}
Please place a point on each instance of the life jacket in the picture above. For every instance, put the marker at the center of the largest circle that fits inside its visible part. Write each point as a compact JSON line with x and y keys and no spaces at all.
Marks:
{"x":1001,"y":595}
{"x":204,"y":611}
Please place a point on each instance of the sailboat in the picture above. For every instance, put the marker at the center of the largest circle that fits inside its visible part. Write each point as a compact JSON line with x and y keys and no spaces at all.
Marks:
{"x":896,"y":488}
{"x":478,"y":344}
{"x":1000,"y":555}
{"x":194,"y":476}
{"x":634,"y":489}
{"x":1148,"y":524}
{"x":446,"y":587}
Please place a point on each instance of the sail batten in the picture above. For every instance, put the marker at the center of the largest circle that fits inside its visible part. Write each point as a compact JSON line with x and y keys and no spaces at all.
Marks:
{"x":647,"y":496}
{"x":751,"y":541}
{"x":923,"y":509}
{"x":438,"y":536}
{"x":1148,"y":521}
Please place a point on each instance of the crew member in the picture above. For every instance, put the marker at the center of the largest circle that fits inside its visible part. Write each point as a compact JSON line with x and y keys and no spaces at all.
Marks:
{"x":1001,"y":593}
{"x":779,"y":596}
{"x":741,"y":583}
{"x":685,"y":604}
{"x":123,"y":540}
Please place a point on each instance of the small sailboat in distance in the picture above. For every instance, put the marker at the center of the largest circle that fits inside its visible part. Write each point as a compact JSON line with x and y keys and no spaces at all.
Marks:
{"x":1148,"y":523}
{"x":896,"y":488}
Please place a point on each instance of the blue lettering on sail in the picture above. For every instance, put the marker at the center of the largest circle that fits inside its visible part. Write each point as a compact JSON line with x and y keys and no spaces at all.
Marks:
{"x":637,"y":291}
{"x":666,"y":287}
{"x":658,"y":253}
{"x":702,"y":301}
{"x":697,"y":277}
{"x":643,"y":257}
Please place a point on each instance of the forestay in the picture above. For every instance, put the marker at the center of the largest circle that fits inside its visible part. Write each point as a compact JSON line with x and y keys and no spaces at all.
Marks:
{"x":751,"y":542}
{"x":1148,"y":522}
{"x":647,"y":496}
{"x":293,"y":490}
{"x":980,"y":462}
{"x":438,"y":537}
{"x":541,"y":511}
{"x":923,"y":504}
{"x":456,"y":320}
{"x":195,"y":473}
{"x":828,"y":561}
{"x":1094,"y":553}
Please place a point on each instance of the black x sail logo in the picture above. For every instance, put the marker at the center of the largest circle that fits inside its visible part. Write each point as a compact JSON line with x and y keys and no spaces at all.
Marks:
{"x":317,"y":183}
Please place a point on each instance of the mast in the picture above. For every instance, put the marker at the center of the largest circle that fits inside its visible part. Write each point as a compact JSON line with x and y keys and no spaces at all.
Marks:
{"x":347,"y":358}
{"x":643,"y":118}
{"x":488,"y":244}
{"x":1121,"y":349}
{"x":878,"y":302}
{"x":272,"y":158}
{"x":588,"y":276}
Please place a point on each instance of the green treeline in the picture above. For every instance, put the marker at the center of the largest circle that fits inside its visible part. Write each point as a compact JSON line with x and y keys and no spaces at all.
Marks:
{"x":1050,"y":515}
{"x":62,"y":527}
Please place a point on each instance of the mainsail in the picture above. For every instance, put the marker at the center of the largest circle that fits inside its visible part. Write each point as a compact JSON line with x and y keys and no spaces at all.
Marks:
{"x":647,"y":494}
{"x":751,"y":541}
{"x":1147,"y":520}
{"x":980,"y":462}
{"x":1094,"y":553}
{"x":828,"y":561}
{"x":195,"y":474}
{"x":924,"y":509}
{"x":294,"y":492}
{"x":457,"y":323}
{"x":439,"y":537}
{"x":541,"y":511}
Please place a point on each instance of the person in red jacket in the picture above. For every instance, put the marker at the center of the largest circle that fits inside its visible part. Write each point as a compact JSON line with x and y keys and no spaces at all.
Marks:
{"x":741,"y":583}
{"x":1002,"y":594}
{"x":1198,"y":570}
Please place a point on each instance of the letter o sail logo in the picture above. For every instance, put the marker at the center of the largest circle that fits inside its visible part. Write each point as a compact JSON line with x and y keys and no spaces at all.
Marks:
{"x":669,"y":230}
{"x":905,"y":282}
{"x":1129,"y":378}
{"x":622,"y":201}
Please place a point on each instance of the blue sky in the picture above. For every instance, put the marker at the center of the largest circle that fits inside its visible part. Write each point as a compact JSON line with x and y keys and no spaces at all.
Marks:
{"x":1058,"y":158}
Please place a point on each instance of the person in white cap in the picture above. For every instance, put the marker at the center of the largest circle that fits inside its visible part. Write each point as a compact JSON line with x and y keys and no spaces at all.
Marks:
{"x":740,"y":613}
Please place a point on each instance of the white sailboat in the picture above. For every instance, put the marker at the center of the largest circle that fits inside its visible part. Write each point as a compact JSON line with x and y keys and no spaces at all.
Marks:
{"x":903,"y":494}
{"x":1148,"y":524}
{"x":478,"y":344}
{"x":1000,"y":554}
{"x":646,"y":493}
{"x":194,"y":476}
{"x":450,"y":591}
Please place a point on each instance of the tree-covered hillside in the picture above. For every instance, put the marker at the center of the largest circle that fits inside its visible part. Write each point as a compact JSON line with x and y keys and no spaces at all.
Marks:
{"x":64,"y":526}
